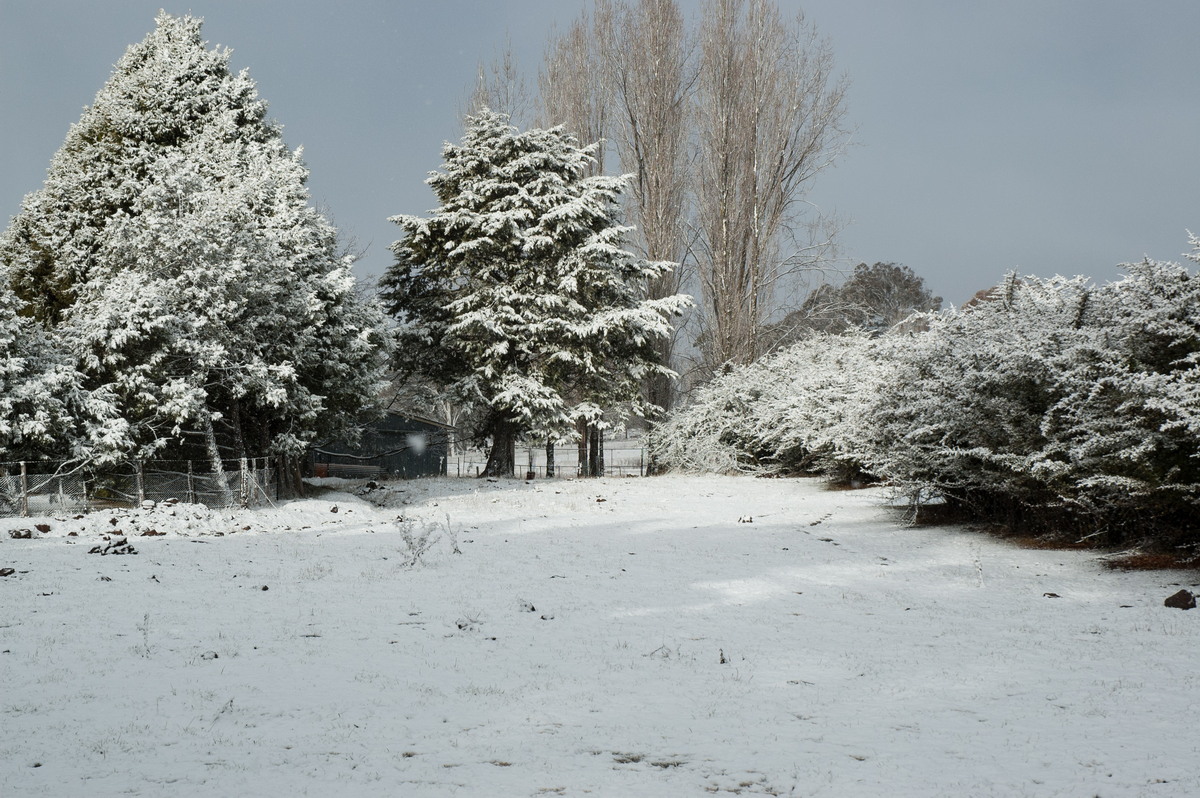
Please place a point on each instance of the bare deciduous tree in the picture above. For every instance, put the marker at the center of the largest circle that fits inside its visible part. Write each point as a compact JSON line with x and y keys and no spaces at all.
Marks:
{"x":573,"y":81}
{"x":624,"y":74}
{"x":648,"y":57}
{"x":723,"y":125}
{"x":500,"y":86}
{"x":574,"y":93}
{"x":768,"y":116}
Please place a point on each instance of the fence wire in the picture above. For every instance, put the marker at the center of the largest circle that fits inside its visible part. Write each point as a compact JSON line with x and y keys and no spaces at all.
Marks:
{"x":50,"y":488}
{"x":617,"y":461}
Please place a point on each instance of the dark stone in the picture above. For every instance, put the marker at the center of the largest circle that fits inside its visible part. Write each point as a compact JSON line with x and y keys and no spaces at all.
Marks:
{"x":118,"y":546}
{"x":1183,"y":600}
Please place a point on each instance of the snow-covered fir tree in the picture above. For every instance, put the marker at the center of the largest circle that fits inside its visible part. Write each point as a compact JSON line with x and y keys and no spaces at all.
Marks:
{"x":174,"y":252}
{"x":517,"y":292}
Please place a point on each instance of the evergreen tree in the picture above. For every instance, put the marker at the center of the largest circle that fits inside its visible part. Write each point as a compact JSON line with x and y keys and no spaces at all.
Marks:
{"x":173,"y":250}
{"x":44,"y":411}
{"x":517,"y":293}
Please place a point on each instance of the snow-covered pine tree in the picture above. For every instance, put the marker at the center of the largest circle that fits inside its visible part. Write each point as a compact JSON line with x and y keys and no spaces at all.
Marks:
{"x":517,"y":291}
{"x":174,"y":250}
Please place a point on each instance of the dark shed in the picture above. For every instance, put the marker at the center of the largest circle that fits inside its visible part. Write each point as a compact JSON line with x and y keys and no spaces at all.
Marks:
{"x":397,"y":445}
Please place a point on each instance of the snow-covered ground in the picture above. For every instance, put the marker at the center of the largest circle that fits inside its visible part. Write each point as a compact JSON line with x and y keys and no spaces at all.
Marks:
{"x":623,"y":637}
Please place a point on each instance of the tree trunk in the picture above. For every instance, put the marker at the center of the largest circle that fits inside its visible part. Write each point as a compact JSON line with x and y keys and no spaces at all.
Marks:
{"x":549,"y":457}
{"x":654,"y":466}
{"x":593,"y":459}
{"x":502,"y":459}
{"x":238,"y":433}
{"x":214,"y":459}
{"x":582,"y":429}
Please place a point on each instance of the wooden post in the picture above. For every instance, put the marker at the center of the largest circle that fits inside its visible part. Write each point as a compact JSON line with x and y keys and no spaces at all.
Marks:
{"x":244,"y":498}
{"x":24,"y":492}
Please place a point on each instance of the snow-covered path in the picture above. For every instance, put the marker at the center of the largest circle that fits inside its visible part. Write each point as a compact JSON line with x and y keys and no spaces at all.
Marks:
{"x":656,"y":637}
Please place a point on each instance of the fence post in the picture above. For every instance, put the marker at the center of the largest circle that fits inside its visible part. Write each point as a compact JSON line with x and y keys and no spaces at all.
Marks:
{"x":245,"y":497}
{"x":191,"y":489}
{"x":141,"y":484}
{"x":24,"y":492}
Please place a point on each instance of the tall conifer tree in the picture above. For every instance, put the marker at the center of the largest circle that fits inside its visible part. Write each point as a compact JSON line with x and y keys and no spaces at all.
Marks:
{"x":174,"y":252}
{"x":517,"y":292}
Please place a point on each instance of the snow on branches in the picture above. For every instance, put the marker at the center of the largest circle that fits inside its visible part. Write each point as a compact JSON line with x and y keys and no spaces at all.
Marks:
{"x":1056,"y":404}
{"x":517,"y":293}
{"x":173,"y":254}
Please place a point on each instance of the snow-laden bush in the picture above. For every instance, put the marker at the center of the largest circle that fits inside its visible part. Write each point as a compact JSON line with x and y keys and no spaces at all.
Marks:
{"x":1123,"y":441}
{"x":1052,"y":405}
{"x":786,"y":413}
{"x":958,"y":413}
{"x":1056,"y":405}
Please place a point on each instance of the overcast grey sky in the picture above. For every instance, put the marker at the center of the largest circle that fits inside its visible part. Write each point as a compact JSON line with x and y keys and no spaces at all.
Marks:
{"x":1050,"y":136}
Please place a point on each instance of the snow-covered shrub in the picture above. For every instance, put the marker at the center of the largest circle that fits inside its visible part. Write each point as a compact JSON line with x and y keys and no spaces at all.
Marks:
{"x":703,"y":436}
{"x":1123,"y":441}
{"x":817,"y":392}
{"x":1052,"y":405}
{"x":788,"y":412}
{"x":1055,"y":405}
{"x":959,"y":412}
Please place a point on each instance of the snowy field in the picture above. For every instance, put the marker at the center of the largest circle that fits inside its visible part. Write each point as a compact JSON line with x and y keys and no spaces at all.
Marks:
{"x":675,"y":636}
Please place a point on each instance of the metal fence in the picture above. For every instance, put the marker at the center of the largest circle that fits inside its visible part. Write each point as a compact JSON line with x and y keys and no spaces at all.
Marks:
{"x":619,"y":461}
{"x":47,"y":488}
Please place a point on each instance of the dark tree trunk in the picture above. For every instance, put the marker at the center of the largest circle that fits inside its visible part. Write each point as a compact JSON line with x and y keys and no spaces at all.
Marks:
{"x":239,"y":436}
{"x":290,"y":480}
{"x":502,"y":459}
{"x":660,"y":389}
{"x":549,"y":458}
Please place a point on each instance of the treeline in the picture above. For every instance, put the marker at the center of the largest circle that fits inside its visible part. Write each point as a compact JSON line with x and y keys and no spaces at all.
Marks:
{"x":1054,"y":406}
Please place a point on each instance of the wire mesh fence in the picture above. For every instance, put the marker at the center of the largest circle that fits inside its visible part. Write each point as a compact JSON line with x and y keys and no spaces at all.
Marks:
{"x":48,"y":488}
{"x":617,"y":461}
